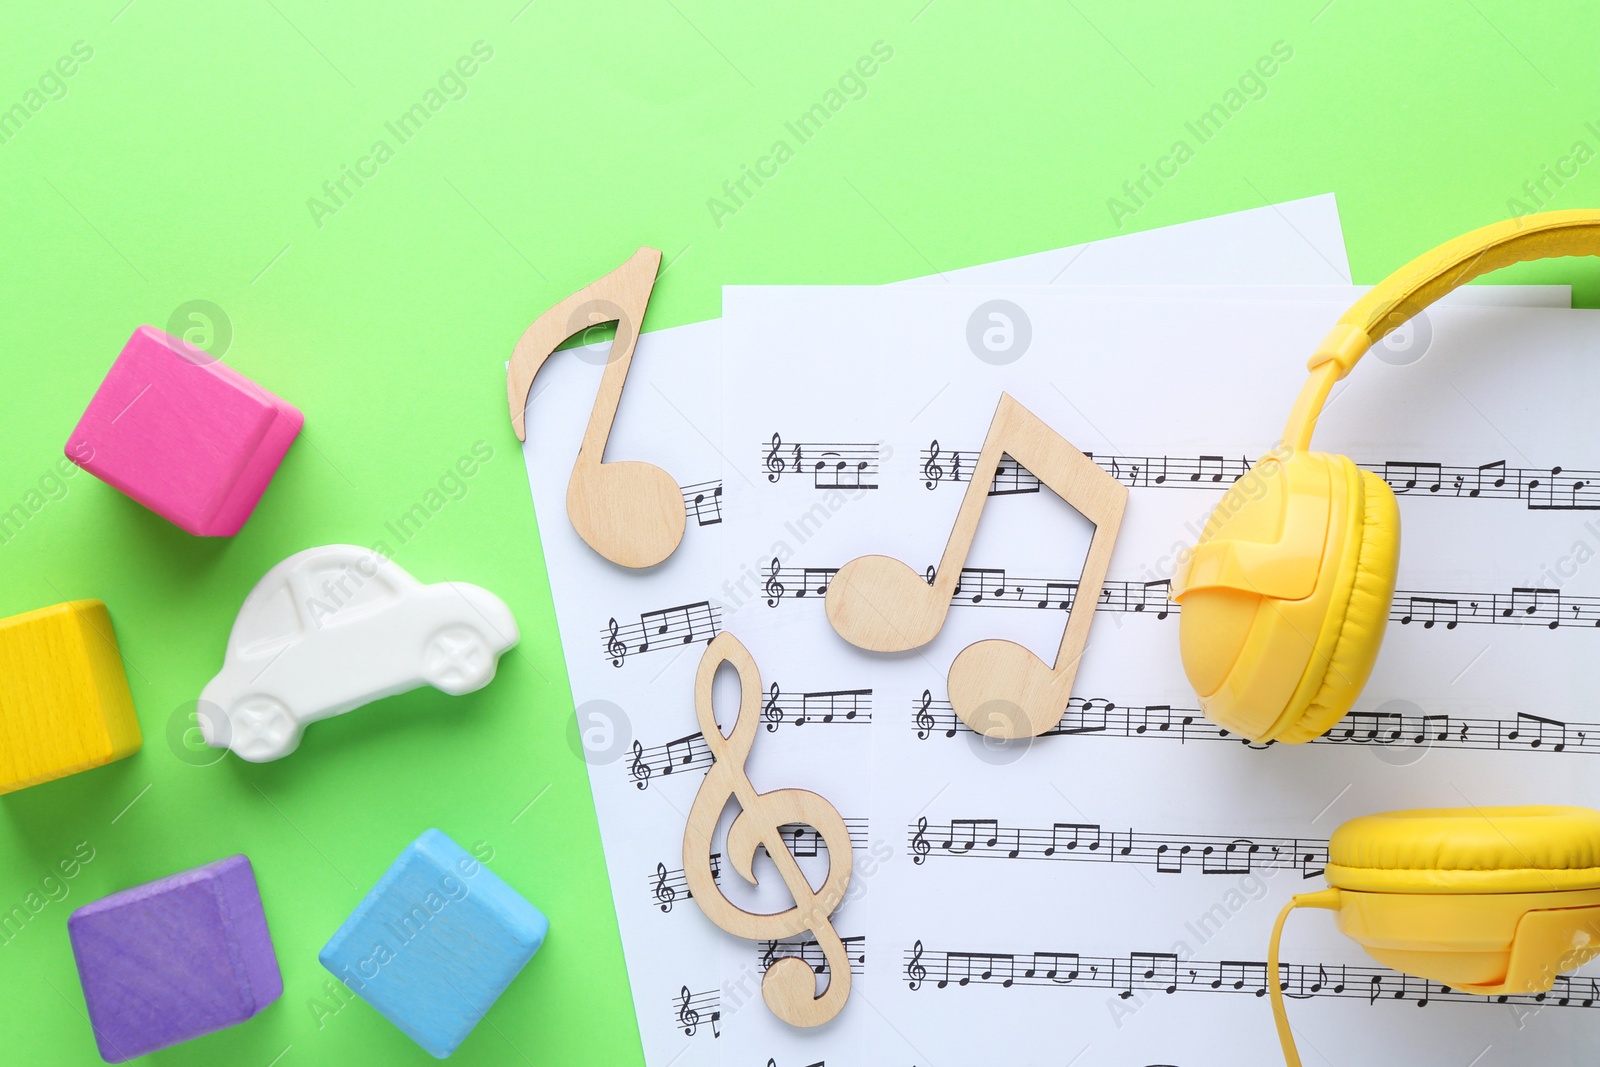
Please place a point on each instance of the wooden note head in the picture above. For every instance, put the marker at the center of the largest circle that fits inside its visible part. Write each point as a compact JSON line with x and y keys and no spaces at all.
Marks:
{"x":1003,"y":690}
{"x":858,"y":592}
{"x":632,"y":513}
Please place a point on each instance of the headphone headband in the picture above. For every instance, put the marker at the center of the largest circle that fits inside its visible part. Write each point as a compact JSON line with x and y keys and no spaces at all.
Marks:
{"x":1390,"y":303}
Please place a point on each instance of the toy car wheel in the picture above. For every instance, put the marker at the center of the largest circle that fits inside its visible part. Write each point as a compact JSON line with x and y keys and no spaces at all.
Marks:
{"x":457,"y":660}
{"x":261,"y":728}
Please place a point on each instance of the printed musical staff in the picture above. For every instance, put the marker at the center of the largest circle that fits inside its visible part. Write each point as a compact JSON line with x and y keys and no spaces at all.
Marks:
{"x":1164,"y":972}
{"x":1522,"y":606}
{"x":824,"y":706}
{"x":810,"y":953}
{"x":703,"y":500}
{"x":994,"y":587}
{"x":664,"y":628}
{"x":667,"y":885}
{"x":1524,"y":732}
{"x":988,"y":587}
{"x":1093,"y":843}
{"x":1539,"y":488}
{"x":698,"y":1012}
{"x":688,"y":753}
{"x":831,"y":465}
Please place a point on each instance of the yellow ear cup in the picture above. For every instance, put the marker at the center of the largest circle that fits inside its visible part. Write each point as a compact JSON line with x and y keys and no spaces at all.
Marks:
{"x":1366,"y":613}
{"x":1285,"y":597}
{"x":1492,"y":901}
{"x":1529,"y":849}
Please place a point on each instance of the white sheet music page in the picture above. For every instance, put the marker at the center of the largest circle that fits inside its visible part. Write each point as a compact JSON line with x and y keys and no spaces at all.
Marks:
{"x":781,"y":492}
{"x":633,"y":639}
{"x":1103,"y":894}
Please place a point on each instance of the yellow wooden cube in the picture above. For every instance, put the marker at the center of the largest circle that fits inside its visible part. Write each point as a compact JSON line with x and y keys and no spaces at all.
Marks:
{"x":64,"y":700}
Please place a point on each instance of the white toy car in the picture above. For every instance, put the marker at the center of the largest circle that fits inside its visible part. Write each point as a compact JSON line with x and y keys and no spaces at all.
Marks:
{"x":332,"y":628}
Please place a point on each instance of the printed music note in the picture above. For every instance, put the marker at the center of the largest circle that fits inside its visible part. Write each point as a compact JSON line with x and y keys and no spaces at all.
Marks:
{"x":1535,"y":603}
{"x":1075,"y":834}
{"x":1209,"y":467}
{"x":1404,"y":477}
{"x":1546,"y":732}
{"x":707,"y":506}
{"x":1430,"y":610}
{"x":632,"y":513}
{"x":1490,"y":468}
{"x":998,"y":688}
{"x":1242,"y":975}
{"x":693,"y":621}
{"x":789,"y":985}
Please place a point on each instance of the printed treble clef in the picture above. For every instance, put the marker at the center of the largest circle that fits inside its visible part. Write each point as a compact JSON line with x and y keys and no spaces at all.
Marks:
{"x":789,"y":985}
{"x":919,"y":844}
{"x":915,"y":971}
{"x":774,"y":462}
{"x":924,"y":716}
{"x":639,"y":770}
{"x":688,"y":1018}
{"x":774,"y":588}
{"x":771,"y":712}
{"x":615,"y":647}
{"x":664,"y":893}
{"x":932,"y":472}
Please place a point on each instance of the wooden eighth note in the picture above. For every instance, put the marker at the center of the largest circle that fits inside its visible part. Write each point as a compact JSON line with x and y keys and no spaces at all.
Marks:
{"x":790,"y":986}
{"x":632,"y":513}
{"x":997,"y":687}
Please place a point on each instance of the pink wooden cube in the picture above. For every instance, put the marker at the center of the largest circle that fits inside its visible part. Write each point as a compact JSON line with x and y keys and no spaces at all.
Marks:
{"x":184,"y":434}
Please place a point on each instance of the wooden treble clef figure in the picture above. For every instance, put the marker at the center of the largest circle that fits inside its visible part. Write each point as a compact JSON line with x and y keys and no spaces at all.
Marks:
{"x":789,"y":986}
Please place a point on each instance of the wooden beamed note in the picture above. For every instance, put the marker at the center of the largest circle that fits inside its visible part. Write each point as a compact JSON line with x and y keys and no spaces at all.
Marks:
{"x":997,"y":687}
{"x":630,"y":512}
{"x":789,"y":987}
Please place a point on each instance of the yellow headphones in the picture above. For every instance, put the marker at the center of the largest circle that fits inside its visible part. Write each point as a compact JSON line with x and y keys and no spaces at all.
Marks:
{"x":1286,"y":595}
{"x":1285,"y":599}
{"x":1485,"y":900}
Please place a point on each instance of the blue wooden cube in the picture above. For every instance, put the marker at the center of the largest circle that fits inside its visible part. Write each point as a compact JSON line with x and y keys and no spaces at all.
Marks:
{"x":435,"y":943}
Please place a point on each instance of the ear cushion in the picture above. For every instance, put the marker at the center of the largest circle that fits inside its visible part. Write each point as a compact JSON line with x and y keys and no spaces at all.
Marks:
{"x":1360,"y":625}
{"x":1536,"y":848}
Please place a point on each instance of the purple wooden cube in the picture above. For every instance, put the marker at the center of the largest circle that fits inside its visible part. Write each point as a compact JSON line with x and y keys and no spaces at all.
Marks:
{"x":175,"y":958}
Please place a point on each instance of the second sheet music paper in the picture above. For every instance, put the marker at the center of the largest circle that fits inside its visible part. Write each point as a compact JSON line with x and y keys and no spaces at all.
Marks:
{"x":1102,"y":894}
{"x":633,"y":638}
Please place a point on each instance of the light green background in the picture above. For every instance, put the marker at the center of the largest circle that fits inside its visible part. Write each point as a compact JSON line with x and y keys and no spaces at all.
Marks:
{"x":178,"y":165}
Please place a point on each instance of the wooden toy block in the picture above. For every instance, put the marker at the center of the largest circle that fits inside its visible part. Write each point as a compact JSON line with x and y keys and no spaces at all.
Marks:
{"x":332,"y":628}
{"x":184,"y":434}
{"x":435,"y":943}
{"x":64,"y":700}
{"x":176,"y":958}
